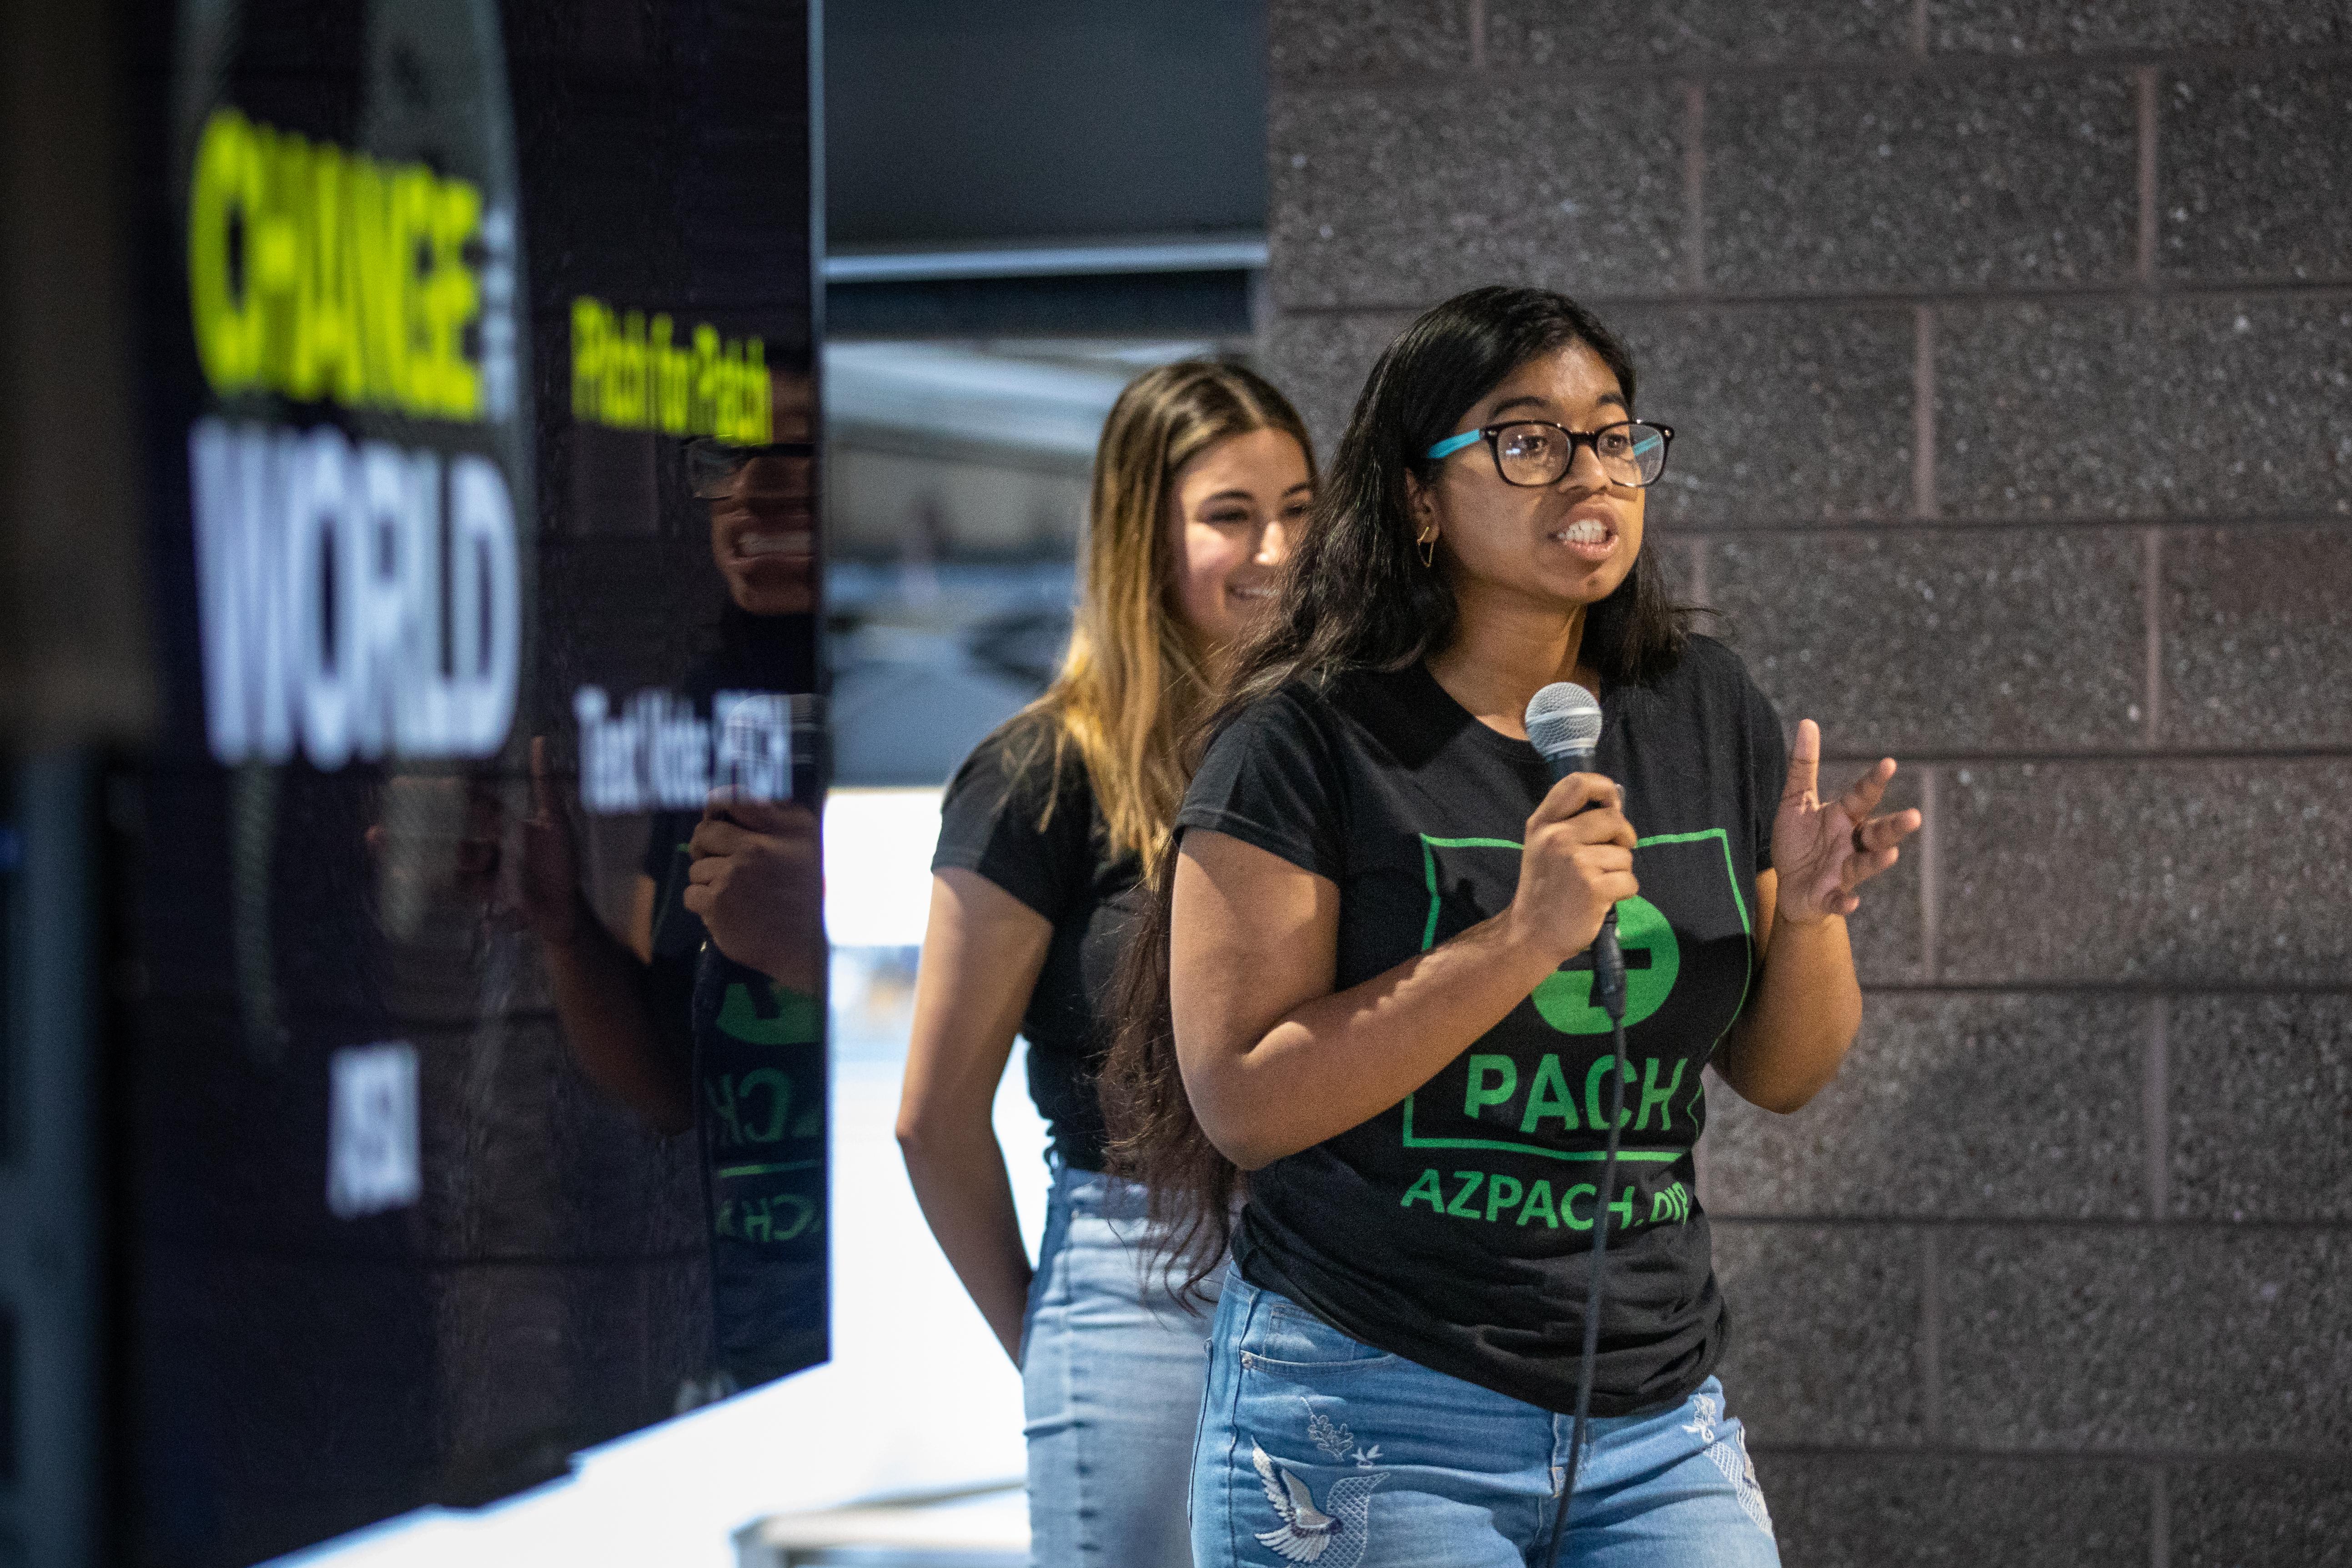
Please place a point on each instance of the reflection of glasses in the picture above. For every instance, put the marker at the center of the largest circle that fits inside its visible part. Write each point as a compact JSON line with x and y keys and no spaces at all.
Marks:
{"x":712,"y":466}
{"x":1536,"y":452}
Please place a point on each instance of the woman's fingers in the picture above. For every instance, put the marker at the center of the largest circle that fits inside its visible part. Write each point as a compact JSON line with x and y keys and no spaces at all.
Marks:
{"x":1868,"y":790}
{"x":713,"y":835}
{"x":1617,"y":887}
{"x":1575,"y":795}
{"x":777,"y":819}
{"x":1588,"y":808}
{"x":1804,"y":761}
{"x":1860,"y":868}
{"x":1884,"y":833}
{"x":1607,"y":857}
{"x":1602,"y":825}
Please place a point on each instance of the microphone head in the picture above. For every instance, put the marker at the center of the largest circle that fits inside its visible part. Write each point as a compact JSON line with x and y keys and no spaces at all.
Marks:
{"x":1564,"y":721}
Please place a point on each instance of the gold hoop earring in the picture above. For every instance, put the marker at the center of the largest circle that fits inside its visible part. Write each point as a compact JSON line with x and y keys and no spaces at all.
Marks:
{"x":1428,"y":544}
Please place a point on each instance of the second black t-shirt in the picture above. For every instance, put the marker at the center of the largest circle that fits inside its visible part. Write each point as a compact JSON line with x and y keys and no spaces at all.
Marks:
{"x":1455,"y":1227}
{"x":1034,"y":829}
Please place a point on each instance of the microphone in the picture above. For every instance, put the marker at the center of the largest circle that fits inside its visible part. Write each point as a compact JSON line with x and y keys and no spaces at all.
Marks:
{"x":1564,"y":724}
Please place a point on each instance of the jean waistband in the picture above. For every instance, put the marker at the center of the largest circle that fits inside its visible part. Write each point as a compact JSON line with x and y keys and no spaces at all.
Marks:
{"x":1096,"y":1194}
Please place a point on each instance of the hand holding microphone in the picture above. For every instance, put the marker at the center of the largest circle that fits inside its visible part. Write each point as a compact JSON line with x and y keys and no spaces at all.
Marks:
{"x":1576,"y":863}
{"x":1576,"y":860}
{"x":757,"y":884}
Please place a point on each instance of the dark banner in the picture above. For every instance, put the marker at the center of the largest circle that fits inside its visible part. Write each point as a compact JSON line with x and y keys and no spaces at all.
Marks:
{"x":478,"y":347}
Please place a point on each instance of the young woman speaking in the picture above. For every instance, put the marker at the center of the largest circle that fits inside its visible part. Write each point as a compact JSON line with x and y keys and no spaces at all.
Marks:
{"x":1201,"y":481}
{"x":1374,"y":1008}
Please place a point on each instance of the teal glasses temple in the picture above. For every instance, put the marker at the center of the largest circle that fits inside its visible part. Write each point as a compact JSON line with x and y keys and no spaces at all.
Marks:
{"x":1541,"y":451}
{"x":1454,"y":444}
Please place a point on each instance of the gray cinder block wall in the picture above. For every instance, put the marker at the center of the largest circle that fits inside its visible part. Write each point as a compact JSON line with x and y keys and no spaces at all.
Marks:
{"x":2011,"y":345}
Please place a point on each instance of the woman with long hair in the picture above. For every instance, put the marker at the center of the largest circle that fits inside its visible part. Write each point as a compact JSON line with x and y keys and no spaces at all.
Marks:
{"x":1375,"y":1002}
{"x":1201,"y":483}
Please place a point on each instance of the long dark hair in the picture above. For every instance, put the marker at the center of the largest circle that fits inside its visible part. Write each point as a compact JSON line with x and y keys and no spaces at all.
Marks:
{"x":1355,"y":597}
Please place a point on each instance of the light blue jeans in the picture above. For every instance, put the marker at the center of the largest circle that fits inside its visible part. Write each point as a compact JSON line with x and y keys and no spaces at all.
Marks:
{"x":1111,"y":1366}
{"x":1315,"y":1448}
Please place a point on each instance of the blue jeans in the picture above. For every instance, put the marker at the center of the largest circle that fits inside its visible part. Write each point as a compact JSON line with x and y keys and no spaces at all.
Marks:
{"x":1111,"y":1366}
{"x":1315,"y":1448}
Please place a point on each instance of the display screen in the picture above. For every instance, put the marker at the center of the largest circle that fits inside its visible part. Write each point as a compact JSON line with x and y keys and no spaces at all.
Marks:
{"x":474,"y":1108}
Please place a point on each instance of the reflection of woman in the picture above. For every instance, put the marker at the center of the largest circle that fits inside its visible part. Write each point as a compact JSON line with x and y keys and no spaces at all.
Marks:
{"x":726,"y":1037}
{"x":1201,"y":478}
{"x":1375,"y":900}
{"x":625,"y":1006}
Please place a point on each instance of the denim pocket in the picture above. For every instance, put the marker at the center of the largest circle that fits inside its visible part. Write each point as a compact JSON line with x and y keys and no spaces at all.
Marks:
{"x":1289,"y":1340}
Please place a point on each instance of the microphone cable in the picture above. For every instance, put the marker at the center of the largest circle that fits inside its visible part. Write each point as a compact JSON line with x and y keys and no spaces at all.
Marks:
{"x":1608,"y":990}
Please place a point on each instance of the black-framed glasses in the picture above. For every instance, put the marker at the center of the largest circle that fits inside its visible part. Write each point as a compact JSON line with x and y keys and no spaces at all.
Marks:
{"x":712,"y":466}
{"x":1536,"y":452}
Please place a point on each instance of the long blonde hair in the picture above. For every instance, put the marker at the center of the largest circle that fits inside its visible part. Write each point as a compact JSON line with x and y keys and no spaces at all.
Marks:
{"x":1134,"y":677}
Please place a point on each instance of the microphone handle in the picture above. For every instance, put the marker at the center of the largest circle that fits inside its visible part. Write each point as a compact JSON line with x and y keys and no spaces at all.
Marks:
{"x":1608,"y":960}
{"x":1609,"y":970}
{"x":1609,"y":994}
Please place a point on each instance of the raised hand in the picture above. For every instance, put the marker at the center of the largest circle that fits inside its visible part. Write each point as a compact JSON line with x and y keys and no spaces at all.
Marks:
{"x":546,"y":890}
{"x":1823,"y":851}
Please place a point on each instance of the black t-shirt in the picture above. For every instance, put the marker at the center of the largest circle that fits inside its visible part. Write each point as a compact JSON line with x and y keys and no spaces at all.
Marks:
{"x":1036,"y":831}
{"x":1455,"y":1229}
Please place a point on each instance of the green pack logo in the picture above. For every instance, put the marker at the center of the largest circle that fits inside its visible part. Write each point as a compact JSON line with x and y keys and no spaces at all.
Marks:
{"x":778,"y":1016}
{"x":1652,"y":959}
{"x":1538,"y":1082}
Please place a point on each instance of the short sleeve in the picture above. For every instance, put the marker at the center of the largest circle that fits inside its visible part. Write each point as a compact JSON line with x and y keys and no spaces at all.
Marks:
{"x":1271,"y":779}
{"x":1767,"y":768}
{"x":1013,"y":816}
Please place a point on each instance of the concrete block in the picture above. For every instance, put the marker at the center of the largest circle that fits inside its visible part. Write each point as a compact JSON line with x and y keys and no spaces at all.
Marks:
{"x":1557,"y":35}
{"x":1321,"y":361}
{"x":2261,"y":1099}
{"x":1937,"y":1510}
{"x":2028,"y":27}
{"x":2179,"y":872}
{"x":2252,"y":166}
{"x":1824,"y":1344}
{"x":1946,"y":640}
{"x":1400,"y":197}
{"x":1906,"y":182}
{"x":1888,"y":934}
{"x":2257,"y":637}
{"x":2148,"y":1338}
{"x":2264,"y":1510}
{"x":1781,"y":413}
{"x":2153,"y":408}
{"x":1929,"y":1118}
{"x":1325,"y":38}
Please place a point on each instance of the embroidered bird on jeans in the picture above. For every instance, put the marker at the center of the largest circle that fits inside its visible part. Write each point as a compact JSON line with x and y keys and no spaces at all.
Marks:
{"x":1308,"y":1533}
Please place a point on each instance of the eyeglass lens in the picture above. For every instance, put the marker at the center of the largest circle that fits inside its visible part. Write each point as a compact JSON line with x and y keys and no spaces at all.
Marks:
{"x":1630,"y":453}
{"x":715,"y":470}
